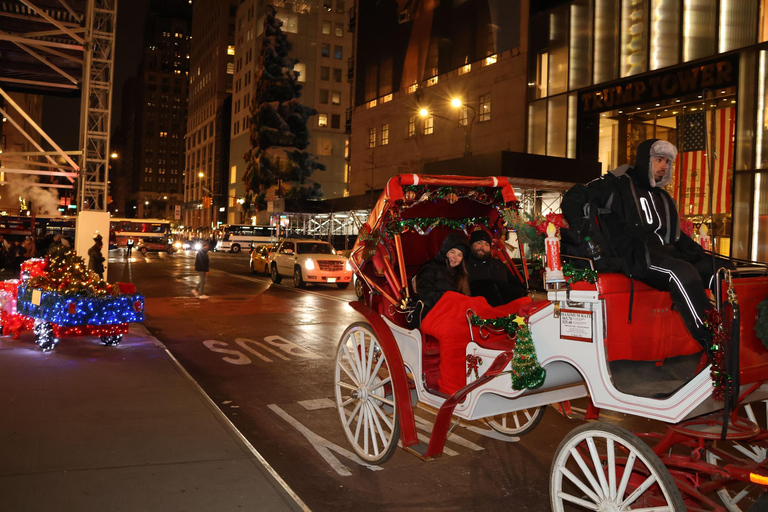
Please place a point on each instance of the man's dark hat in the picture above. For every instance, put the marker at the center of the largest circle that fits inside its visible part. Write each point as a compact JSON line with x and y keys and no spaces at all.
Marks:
{"x":97,"y":238}
{"x":479,"y":234}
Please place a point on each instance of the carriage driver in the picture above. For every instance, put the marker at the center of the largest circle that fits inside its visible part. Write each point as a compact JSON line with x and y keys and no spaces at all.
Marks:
{"x":641,"y":222}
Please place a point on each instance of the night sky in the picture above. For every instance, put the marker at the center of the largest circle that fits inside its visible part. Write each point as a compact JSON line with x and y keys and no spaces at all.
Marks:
{"x":61,"y":116}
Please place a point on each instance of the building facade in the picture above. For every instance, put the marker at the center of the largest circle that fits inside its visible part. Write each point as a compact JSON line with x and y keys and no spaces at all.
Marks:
{"x":209,"y":113}
{"x":321,"y":43}
{"x":435,"y":81}
{"x":606,"y":75}
{"x":156,"y":125}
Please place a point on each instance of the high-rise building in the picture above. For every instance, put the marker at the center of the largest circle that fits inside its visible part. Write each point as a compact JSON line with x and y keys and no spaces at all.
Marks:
{"x":156,"y":124}
{"x":208,"y":122}
{"x":322,"y":44}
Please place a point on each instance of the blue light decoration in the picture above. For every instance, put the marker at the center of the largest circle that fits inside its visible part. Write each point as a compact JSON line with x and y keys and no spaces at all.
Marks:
{"x":79,"y":310}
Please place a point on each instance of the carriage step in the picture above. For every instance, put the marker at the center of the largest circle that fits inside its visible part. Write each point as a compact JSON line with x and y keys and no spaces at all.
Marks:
{"x":419,"y":450}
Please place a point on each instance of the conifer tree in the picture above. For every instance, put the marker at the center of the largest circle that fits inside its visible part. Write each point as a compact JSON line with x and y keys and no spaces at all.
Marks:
{"x":278,"y":127}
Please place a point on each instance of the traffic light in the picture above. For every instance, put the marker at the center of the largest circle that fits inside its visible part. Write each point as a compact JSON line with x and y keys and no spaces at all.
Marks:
{"x":207,"y":201}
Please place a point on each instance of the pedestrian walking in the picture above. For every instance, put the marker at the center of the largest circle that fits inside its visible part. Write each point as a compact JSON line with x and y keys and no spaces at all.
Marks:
{"x":201,"y":266}
{"x":95,"y":257}
{"x":129,"y":247}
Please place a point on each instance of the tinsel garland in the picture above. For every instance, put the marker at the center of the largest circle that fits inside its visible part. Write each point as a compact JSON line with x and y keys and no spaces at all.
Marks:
{"x":720,"y":378}
{"x":761,"y":324}
{"x":574,"y":275}
{"x":369,"y":240}
{"x":423,"y":225}
{"x":74,"y":309}
{"x":526,"y":371}
{"x":415,"y":194}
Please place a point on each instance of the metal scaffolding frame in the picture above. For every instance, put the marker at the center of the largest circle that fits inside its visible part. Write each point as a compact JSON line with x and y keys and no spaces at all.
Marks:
{"x":60,"y":46}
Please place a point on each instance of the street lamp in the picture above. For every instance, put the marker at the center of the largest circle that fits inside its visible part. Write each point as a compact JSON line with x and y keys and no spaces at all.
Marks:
{"x":201,"y":174}
{"x":113,"y":155}
{"x":467,"y":125}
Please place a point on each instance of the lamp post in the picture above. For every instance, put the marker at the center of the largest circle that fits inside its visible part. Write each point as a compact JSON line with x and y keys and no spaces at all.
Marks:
{"x":457,"y":103}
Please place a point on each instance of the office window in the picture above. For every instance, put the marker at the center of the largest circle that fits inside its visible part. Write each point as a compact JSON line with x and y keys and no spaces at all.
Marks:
{"x":372,"y":138}
{"x":336,"y":98}
{"x":429,"y":124}
{"x":337,"y":52}
{"x":324,"y":96}
{"x":485,"y":108}
{"x":326,"y":27}
{"x":738,"y":25}
{"x":325,"y":72}
{"x":606,"y":40}
{"x":580,"y":52}
{"x":699,"y":29}
{"x":327,"y":5}
{"x":338,"y":29}
{"x":665,"y":33}
{"x":384,"y":134}
{"x":335,"y":121}
{"x":300,"y":69}
{"x":337,"y":75}
{"x":322,"y":120}
{"x":325,"y":50}
{"x":340,"y":6}
{"x":412,"y":126}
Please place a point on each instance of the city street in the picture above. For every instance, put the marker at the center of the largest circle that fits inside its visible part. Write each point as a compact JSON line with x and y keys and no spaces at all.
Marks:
{"x":265,"y":353}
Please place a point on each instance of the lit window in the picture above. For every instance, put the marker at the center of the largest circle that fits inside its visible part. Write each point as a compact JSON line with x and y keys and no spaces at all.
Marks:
{"x":431,"y":81}
{"x":491,"y":59}
{"x":230,"y":68}
{"x":485,"y":107}
{"x":429,"y":124}
{"x":372,"y":138}
{"x":322,"y":120}
{"x":336,"y":98}
{"x":327,"y":27}
{"x":163,"y":134}
{"x":411,"y":89}
{"x":465,"y":69}
{"x":327,"y":5}
{"x":230,"y":50}
{"x":385,"y":99}
{"x":338,"y":30}
{"x":412,"y":126}
{"x":384,"y":134}
{"x":300,"y":69}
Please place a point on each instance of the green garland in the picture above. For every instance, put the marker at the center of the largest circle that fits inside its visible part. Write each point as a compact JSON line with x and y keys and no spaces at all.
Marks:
{"x":423,"y":225}
{"x":502,"y":323}
{"x":761,"y":324}
{"x":575,"y":275}
{"x":414,"y":194}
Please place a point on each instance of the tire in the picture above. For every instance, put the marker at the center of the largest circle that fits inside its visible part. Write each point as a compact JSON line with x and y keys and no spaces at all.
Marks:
{"x":359,"y":288}
{"x":266,"y":270}
{"x":516,"y":423}
{"x":740,"y":496}
{"x":342,"y":286}
{"x":609,"y":447}
{"x":250,"y":265}
{"x":276,"y":278}
{"x":298,"y":281}
{"x":235,"y":248}
{"x":143,"y":250}
{"x":44,"y":335}
{"x":364,"y":397}
{"x":112,"y":341}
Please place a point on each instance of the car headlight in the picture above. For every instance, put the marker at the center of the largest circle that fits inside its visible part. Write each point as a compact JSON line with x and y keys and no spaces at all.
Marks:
{"x":198,"y":246}
{"x":177,"y":245}
{"x":348,"y":266}
{"x":309,"y":264}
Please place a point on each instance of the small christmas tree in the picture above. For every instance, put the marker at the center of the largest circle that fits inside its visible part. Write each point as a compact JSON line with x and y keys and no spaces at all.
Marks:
{"x":278,"y":129}
{"x":67,"y":273}
{"x":527,"y":373}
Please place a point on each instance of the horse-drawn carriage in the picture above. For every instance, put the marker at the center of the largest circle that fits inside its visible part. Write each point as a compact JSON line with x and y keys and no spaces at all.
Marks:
{"x":616,"y":341}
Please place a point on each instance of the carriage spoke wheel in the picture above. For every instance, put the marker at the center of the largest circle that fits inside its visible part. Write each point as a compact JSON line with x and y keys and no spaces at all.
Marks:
{"x":364,"y":396}
{"x":739,"y":496}
{"x":516,"y":423}
{"x":604,"y":467}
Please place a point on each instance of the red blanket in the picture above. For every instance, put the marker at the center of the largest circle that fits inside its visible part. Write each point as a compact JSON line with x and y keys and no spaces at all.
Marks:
{"x":447,"y":322}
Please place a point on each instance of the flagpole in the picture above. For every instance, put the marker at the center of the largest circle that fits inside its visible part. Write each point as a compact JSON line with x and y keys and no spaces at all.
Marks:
{"x":710,"y":141}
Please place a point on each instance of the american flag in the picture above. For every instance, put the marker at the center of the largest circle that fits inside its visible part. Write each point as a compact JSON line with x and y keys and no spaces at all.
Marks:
{"x":690,"y":184}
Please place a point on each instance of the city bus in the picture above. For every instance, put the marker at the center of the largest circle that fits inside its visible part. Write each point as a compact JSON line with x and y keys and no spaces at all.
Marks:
{"x":236,"y":237}
{"x":148,"y":234}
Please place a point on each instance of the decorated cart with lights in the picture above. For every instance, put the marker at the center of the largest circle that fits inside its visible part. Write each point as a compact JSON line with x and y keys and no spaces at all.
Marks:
{"x":60,"y":298}
{"x":580,"y":341}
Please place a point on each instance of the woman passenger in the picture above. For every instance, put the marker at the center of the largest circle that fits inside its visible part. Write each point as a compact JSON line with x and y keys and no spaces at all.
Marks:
{"x":446,"y":272}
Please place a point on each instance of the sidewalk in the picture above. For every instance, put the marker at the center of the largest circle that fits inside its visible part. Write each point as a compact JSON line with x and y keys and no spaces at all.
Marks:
{"x":93,"y":428}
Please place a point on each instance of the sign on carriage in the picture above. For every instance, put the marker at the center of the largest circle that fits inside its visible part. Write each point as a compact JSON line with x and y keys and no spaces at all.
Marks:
{"x":576,"y":325}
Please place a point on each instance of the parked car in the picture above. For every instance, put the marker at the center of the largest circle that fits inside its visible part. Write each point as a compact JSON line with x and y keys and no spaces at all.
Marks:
{"x":260,"y":259}
{"x":149,"y":245}
{"x":309,"y":261}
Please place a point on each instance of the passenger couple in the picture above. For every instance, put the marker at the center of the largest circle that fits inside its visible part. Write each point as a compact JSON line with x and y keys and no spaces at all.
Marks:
{"x":463,"y":276}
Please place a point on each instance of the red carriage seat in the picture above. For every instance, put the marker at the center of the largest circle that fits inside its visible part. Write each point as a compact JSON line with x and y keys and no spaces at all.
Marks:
{"x":656,"y":331}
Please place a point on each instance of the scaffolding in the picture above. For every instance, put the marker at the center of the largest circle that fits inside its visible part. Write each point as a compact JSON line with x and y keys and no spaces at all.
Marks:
{"x":61,"y":47}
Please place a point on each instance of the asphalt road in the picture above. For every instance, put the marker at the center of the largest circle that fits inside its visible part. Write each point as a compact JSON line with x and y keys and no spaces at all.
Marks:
{"x":265,"y":354}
